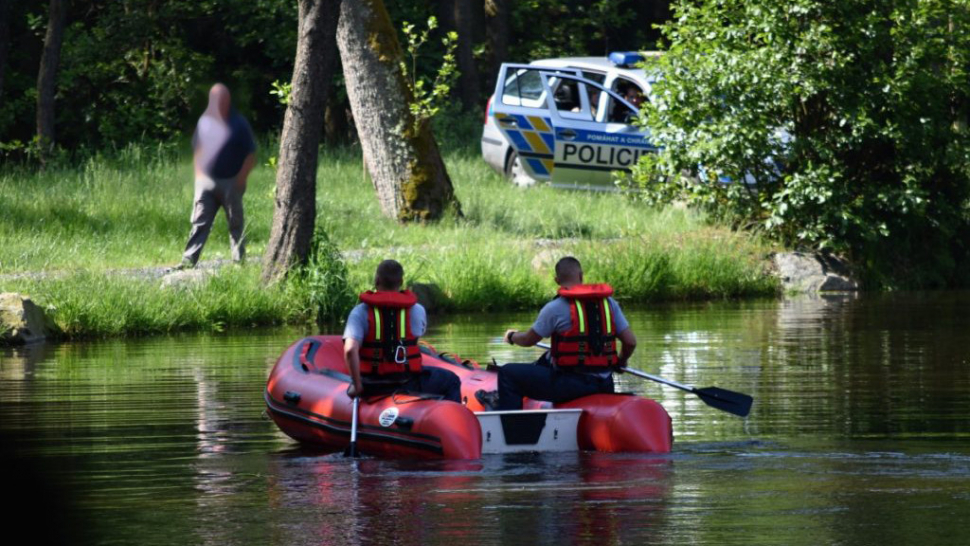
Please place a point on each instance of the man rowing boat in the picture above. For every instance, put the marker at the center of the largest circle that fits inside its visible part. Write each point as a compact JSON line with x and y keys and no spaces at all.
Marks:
{"x":584,"y":322}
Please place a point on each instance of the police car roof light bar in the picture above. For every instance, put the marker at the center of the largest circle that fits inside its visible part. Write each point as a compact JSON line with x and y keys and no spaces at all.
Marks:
{"x":625,"y":59}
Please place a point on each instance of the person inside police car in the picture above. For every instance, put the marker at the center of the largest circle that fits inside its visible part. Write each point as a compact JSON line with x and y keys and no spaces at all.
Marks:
{"x":621,"y":113}
{"x":594,"y":100}
{"x":634,"y":96}
{"x":381,"y":342}
{"x":585,"y":323}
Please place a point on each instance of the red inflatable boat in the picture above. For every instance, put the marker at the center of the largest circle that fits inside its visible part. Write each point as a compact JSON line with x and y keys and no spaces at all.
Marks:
{"x":306,"y":396}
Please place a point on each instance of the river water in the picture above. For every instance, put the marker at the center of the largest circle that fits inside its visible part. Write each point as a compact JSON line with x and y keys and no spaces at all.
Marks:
{"x":859,"y":435}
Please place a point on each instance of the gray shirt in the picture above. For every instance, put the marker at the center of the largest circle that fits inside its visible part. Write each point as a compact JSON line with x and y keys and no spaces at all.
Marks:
{"x":357,"y":321}
{"x":554,"y":318}
{"x":222,"y":146}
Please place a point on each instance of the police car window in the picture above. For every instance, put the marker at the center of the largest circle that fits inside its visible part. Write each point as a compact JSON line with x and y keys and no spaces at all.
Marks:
{"x":574,"y":99}
{"x":566,"y":94}
{"x":597,"y":77}
{"x":618,"y":112}
{"x":523,"y":88}
{"x":593,"y":97}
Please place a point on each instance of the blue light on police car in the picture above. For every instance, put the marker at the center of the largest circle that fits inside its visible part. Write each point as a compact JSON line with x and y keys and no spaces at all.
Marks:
{"x":625,"y":59}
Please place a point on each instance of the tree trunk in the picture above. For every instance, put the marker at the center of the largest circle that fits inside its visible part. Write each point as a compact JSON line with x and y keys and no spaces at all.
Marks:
{"x":47,"y":76}
{"x":458,"y":16}
{"x":336,"y":126}
{"x":499,"y":31}
{"x":402,"y":156}
{"x":468,"y":71}
{"x":4,"y":40}
{"x":295,"y":211}
{"x":477,"y":16}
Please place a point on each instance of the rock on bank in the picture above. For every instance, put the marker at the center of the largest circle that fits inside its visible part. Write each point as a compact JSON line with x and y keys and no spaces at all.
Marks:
{"x":21,"y":321}
{"x":813,"y":273}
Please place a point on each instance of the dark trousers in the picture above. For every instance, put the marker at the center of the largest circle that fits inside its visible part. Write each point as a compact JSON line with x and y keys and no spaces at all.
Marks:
{"x":211,"y":194}
{"x":541,"y":381}
{"x":431,"y":380}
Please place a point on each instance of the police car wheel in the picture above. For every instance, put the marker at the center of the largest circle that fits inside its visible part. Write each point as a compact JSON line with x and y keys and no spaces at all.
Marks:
{"x":515,"y":172}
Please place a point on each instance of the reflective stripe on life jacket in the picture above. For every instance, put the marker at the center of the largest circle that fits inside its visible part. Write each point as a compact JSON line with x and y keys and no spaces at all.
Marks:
{"x":389,"y":349}
{"x":590,"y":343}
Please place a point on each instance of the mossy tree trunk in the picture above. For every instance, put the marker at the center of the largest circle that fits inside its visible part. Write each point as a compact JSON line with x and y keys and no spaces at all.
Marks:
{"x":47,"y":75}
{"x":402,"y":157}
{"x":296,"y":177}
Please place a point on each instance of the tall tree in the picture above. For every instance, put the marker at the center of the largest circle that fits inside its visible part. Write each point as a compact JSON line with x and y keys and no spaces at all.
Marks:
{"x":401,"y":153}
{"x":499,"y":31}
{"x":47,"y":75}
{"x":295,"y":212}
{"x":4,"y":39}
{"x":459,"y":16}
{"x":468,"y":84}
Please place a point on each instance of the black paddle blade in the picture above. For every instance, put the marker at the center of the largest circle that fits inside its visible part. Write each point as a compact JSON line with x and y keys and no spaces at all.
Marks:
{"x":725,"y":400}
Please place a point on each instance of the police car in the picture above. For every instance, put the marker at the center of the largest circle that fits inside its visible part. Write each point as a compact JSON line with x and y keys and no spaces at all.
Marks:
{"x":568,"y":121}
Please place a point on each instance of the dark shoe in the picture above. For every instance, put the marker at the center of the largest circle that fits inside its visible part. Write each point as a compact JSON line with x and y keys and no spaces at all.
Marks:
{"x":488,"y":399}
{"x":186,"y":264}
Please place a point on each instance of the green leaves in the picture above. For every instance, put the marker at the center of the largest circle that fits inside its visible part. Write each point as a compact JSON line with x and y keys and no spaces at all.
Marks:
{"x":323,"y":285}
{"x":282,"y":91}
{"x":428,"y":96}
{"x":139,"y":69}
{"x":846,"y":120}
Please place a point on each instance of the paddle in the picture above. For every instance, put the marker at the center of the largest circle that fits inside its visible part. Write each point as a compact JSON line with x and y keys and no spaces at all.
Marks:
{"x":352,"y":448}
{"x":732,"y":402}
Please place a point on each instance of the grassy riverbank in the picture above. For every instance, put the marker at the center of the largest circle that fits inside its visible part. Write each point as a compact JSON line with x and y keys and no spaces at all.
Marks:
{"x":130,"y":209}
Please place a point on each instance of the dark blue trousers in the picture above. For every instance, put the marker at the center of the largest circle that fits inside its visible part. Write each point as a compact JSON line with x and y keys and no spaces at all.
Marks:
{"x":431,"y":380}
{"x":540,"y":381}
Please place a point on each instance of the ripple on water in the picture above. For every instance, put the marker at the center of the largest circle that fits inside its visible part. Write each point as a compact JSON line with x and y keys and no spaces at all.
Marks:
{"x":857,"y":436}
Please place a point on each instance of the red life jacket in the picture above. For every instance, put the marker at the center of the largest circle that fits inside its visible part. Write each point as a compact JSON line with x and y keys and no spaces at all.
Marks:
{"x":590,"y":344}
{"x":390,"y":349}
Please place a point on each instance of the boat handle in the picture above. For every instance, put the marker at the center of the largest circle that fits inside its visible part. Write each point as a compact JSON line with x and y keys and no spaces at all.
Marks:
{"x":306,"y":353}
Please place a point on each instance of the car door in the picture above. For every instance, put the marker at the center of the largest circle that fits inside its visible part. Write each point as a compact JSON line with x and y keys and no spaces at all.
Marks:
{"x":521,"y":108}
{"x":591,"y":144}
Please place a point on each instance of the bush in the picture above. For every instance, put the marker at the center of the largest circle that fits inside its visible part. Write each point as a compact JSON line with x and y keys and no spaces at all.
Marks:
{"x":862,"y":104}
{"x":323,"y":283}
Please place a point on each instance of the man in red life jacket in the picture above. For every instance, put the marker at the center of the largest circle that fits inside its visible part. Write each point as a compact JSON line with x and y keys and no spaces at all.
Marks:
{"x":381,"y":342}
{"x":585,"y":324}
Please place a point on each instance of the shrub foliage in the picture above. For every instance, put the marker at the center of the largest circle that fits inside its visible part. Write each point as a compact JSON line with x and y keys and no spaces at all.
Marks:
{"x":863,"y":107}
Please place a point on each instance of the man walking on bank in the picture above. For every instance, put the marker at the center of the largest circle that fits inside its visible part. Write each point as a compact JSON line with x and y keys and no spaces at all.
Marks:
{"x":224,"y":152}
{"x":584,"y":323}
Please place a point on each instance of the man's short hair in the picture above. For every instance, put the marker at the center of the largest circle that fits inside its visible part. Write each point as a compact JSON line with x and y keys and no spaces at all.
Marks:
{"x":568,"y":269}
{"x":389,"y":275}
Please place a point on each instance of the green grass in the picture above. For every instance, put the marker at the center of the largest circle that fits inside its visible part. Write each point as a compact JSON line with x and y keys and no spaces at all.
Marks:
{"x":88,"y":304}
{"x":130,"y":208}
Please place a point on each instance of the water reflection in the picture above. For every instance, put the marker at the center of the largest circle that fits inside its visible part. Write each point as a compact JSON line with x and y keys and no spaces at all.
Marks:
{"x":577,"y":498}
{"x":858,"y":435}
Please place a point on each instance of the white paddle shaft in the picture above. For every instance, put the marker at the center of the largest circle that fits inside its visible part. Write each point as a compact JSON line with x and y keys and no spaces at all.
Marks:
{"x":638,"y":373}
